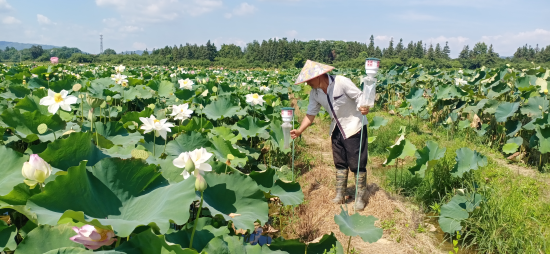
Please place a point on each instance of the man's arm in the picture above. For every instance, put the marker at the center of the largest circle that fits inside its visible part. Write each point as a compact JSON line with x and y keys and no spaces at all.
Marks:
{"x":305,"y":123}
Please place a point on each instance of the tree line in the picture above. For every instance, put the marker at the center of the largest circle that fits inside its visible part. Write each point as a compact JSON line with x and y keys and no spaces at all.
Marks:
{"x":284,"y":53}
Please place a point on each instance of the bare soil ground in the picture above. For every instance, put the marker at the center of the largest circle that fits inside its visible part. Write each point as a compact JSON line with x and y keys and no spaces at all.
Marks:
{"x":400,"y":219}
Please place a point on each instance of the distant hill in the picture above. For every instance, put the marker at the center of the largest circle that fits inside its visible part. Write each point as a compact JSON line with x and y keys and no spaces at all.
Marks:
{"x":20,"y":46}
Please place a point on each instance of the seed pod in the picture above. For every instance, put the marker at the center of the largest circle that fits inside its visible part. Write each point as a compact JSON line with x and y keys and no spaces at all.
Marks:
{"x":93,"y":102}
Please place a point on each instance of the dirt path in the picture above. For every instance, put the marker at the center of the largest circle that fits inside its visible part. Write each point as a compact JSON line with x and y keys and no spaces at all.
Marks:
{"x":399,"y":219}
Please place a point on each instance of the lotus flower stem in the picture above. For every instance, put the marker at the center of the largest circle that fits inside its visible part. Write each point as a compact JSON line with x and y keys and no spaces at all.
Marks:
{"x":165,"y":141}
{"x":349,"y":244}
{"x":154,"y":142}
{"x":196,"y":221}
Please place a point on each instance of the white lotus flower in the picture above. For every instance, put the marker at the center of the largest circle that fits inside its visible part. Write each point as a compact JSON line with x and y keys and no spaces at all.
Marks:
{"x":34,"y":76}
{"x":181,"y":111}
{"x":161,"y":127}
{"x":255,"y":99}
{"x":119,"y":79}
{"x":460,"y":71}
{"x":459,"y":81}
{"x":264,"y":89}
{"x":243,"y":84}
{"x":56,"y":100}
{"x":198,"y":156}
{"x":205,"y":93}
{"x":186,"y":83}
{"x":36,"y":170}
{"x":120,"y":68}
{"x":172,"y":75}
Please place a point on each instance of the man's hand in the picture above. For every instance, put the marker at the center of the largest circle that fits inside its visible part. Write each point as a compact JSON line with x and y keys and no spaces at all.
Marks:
{"x":364,"y":110}
{"x":295,"y":133}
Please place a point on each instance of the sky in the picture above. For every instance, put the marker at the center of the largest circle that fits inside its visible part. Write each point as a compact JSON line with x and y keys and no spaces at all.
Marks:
{"x":140,"y":24}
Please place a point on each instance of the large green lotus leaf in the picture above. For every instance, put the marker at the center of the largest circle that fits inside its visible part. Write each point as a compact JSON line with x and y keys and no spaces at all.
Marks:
{"x":26,"y":124}
{"x":510,"y":148}
{"x":20,"y":193}
{"x":12,"y":164}
{"x":171,"y":172}
{"x":197,"y":124}
{"x":403,"y":149}
{"x":15,"y":92}
{"x":505,"y":110}
{"x":186,"y":142}
{"x":36,"y":84}
{"x":415,"y":93}
{"x":223,"y":107}
{"x":523,"y":84}
{"x":377,"y":122}
{"x":99,"y":88}
{"x":291,"y":246}
{"x":457,"y":210}
{"x":498,"y":90}
{"x":427,"y":157}
{"x":72,"y":250}
{"x":121,"y":193}
{"x":225,"y":133}
{"x":115,"y":132}
{"x":7,"y":236}
{"x":517,"y":140}
{"x":543,"y":134}
{"x":235,"y":194}
{"x":474,"y":109}
{"x":147,"y":242}
{"x":68,"y":152}
{"x":154,"y":145}
{"x":325,"y":245}
{"x":251,"y":127}
{"x":533,"y":106}
{"x":139,"y":91}
{"x":63,"y":84}
{"x":358,"y":225}
{"x":222,"y":148}
{"x":45,"y":238}
{"x":134,"y":116}
{"x":467,"y":160}
{"x":417,"y":104}
{"x":226,"y":244}
{"x":203,"y":234}
{"x":184,"y":94}
{"x":164,"y":88}
{"x":512,"y":127}
{"x":290,"y":193}
{"x":31,"y":104}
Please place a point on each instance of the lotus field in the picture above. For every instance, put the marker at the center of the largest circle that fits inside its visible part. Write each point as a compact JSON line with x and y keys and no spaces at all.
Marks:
{"x":115,"y":159}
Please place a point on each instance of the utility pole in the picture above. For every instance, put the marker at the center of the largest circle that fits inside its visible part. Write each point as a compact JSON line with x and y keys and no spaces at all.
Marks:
{"x":100,"y":44}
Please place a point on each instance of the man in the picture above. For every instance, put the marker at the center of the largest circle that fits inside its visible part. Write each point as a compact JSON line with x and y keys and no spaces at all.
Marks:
{"x":340,"y":97}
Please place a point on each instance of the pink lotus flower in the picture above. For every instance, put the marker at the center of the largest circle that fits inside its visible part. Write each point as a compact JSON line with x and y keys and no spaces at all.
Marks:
{"x":92,"y":237}
{"x":54,"y":60}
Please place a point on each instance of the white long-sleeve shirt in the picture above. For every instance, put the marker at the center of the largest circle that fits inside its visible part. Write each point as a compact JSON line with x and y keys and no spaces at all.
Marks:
{"x":344,"y":103}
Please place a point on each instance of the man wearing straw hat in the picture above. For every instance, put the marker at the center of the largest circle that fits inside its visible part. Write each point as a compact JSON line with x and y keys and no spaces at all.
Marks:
{"x":340,"y":97}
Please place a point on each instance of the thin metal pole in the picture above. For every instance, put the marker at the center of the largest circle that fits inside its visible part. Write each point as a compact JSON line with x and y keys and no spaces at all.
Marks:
{"x":359,"y":160}
{"x":293,"y":147}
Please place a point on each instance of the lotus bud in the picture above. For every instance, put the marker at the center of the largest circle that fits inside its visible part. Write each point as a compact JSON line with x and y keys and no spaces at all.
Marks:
{"x":189,"y":165}
{"x":93,"y":102}
{"x":540,"y":107}
{"x":200,"y":183}
{"x":93,"y":238}
{"x":545,"y":91}
{"x":77,"y":87}
{"x":36,"y":171}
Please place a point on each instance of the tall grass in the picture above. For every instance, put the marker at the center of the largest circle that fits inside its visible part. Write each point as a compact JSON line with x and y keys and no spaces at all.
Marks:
{"x":515,"y":217}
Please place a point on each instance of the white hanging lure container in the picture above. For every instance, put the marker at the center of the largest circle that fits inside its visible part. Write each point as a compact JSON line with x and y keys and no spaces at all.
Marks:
{"x":287,"y":114}
{"x":369,"y":82}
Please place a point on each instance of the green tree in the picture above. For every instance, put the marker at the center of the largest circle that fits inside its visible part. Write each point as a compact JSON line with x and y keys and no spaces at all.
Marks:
{"x":447,"y":50}
{"x":36,"y":51}
{"x":109,"y":52}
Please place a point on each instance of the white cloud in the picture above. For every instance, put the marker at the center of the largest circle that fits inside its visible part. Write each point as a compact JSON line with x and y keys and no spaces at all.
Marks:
{"x":382,"y":40}
{"x":159,"y":10}
{"x":139,"y":46}
{"x":414,"y":16}
{"x":222,"y":40}
{"x":9,"y":20}
{"x":506,"y":44}
{"x":43,"y":20}
{"x":130,"y":29}
{"x":111,"y":22}
{"x":292,"y":33}
{"x":4,"y":6}
{"x":455,"y":43}
{"x":241,"y":10}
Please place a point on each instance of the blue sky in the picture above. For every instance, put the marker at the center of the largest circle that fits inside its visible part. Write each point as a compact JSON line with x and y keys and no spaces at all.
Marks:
{"x":140,"y":24}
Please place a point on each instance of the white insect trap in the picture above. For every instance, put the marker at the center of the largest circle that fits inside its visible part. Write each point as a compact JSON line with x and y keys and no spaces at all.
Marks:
{"x":287,"y":114}
{"x":369,"y":82}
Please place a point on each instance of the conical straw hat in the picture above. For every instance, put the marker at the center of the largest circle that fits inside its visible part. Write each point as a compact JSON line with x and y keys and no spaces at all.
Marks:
{"x":312,"y":70}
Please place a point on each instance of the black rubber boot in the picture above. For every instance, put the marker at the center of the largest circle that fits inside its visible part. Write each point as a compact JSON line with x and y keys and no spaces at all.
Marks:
{"x":361,"y":192}
{"x":341,"y":185}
